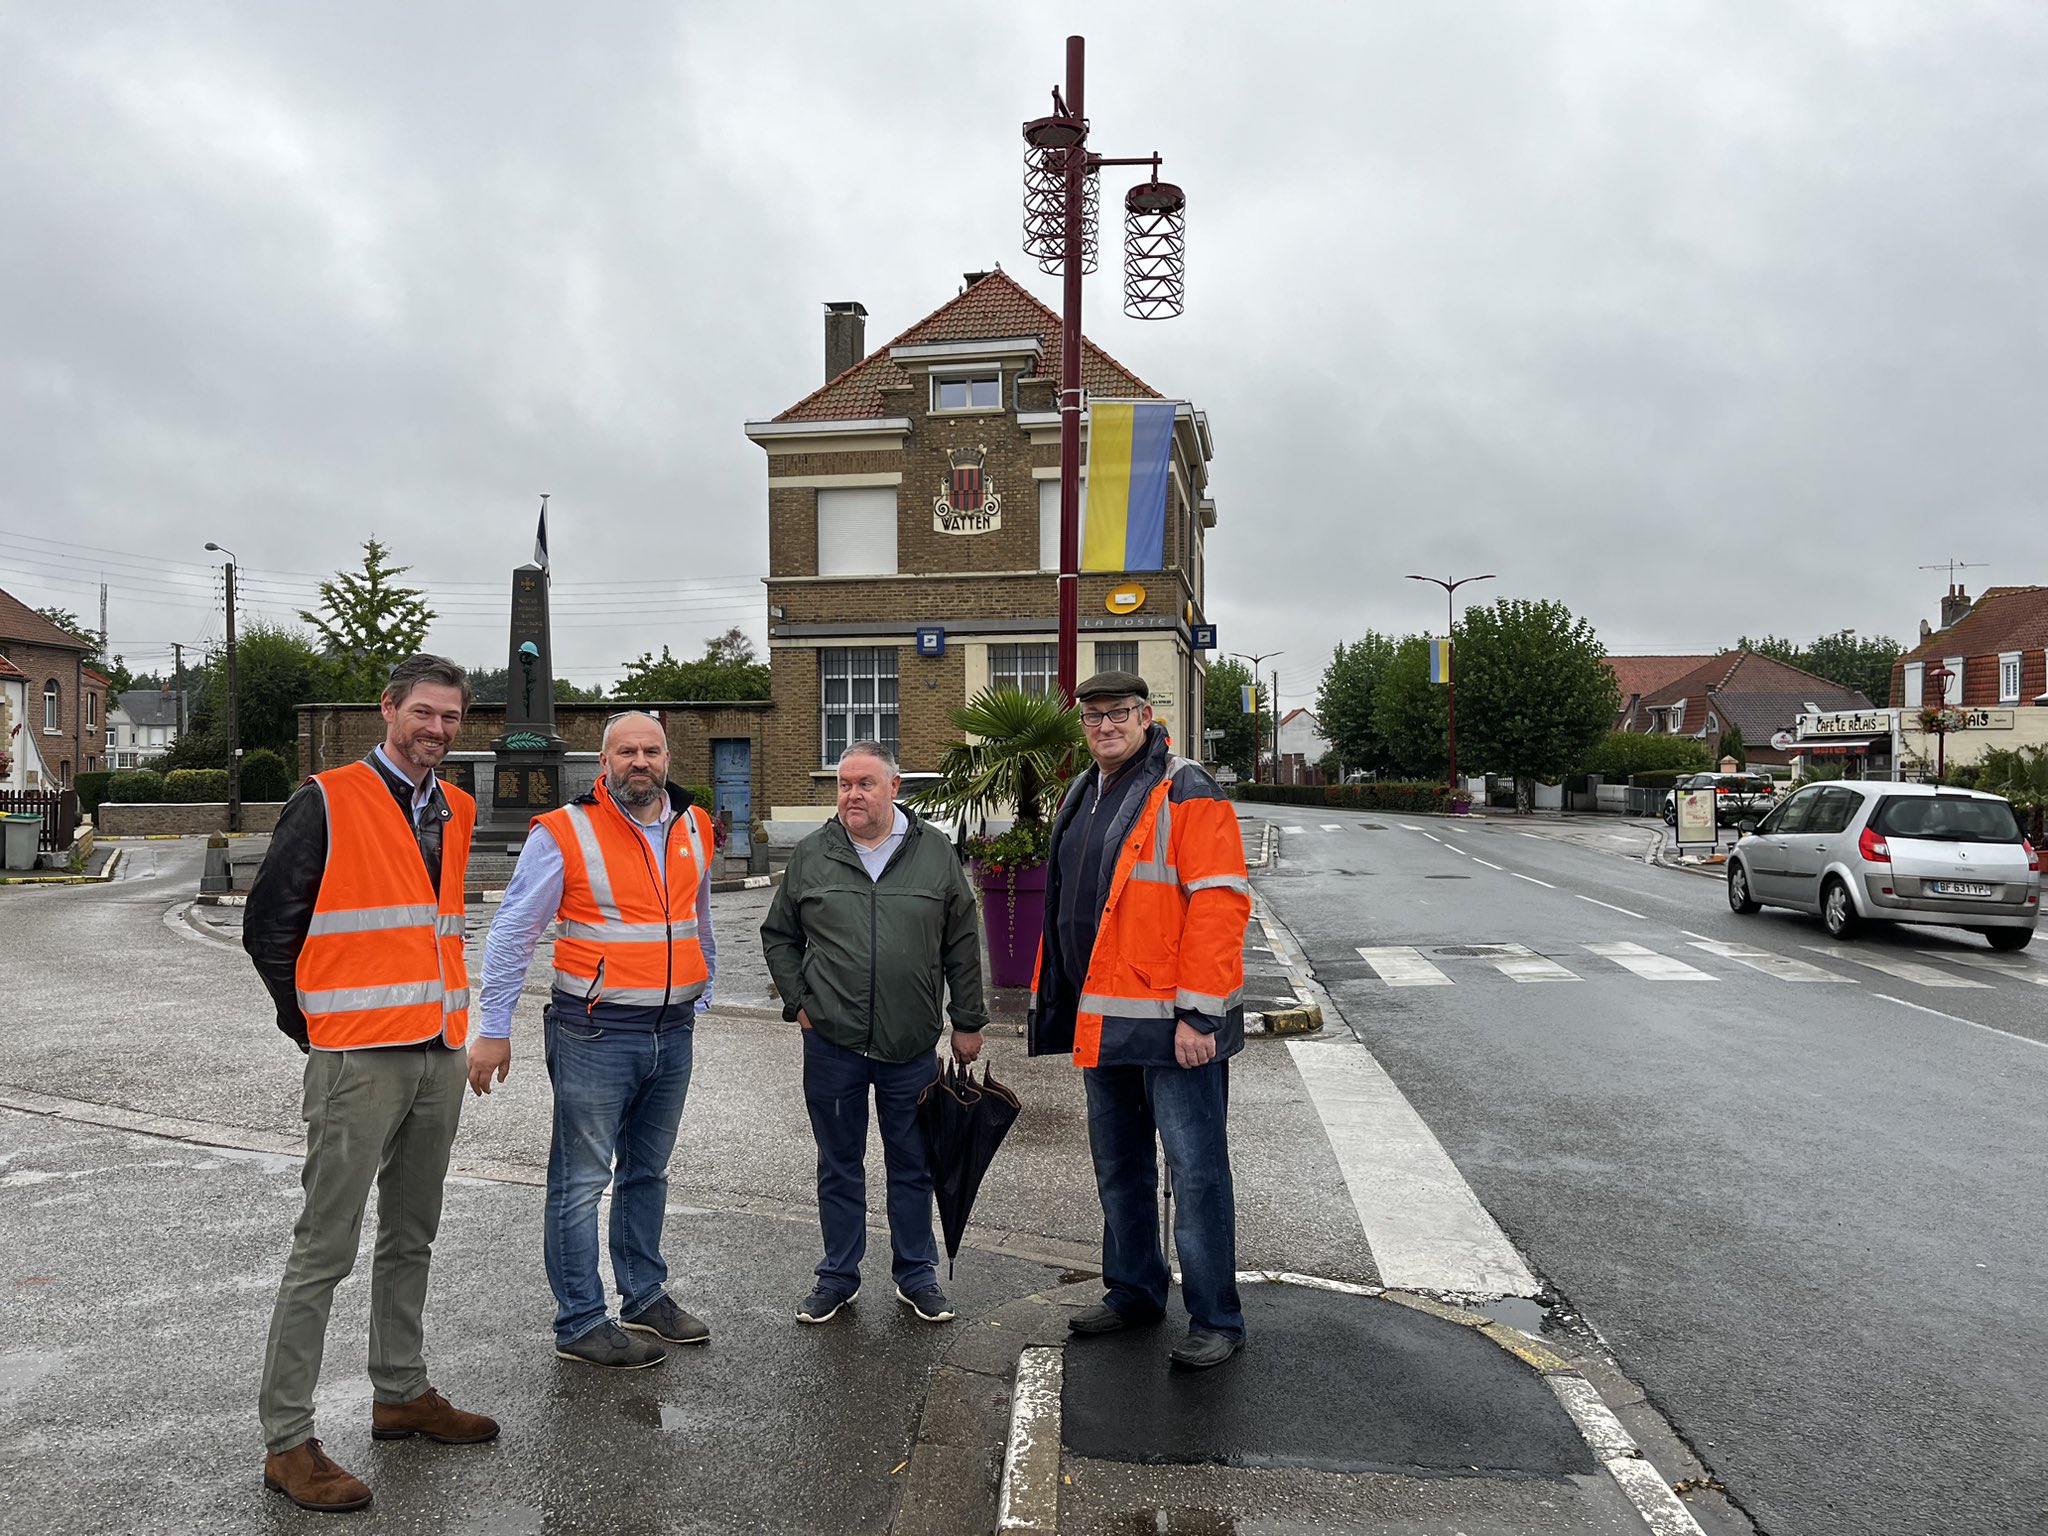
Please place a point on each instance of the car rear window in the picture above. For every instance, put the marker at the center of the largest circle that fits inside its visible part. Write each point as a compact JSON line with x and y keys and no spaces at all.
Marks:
{"x":1947,"y":819}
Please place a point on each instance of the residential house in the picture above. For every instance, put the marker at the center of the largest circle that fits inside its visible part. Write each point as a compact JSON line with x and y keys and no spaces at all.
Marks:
{"x":18,"y":740}
{"x":1302,"y":747}
{"x":1995,"y":653}
{"x":143,"y":724}
{"x":67,"y":699}
{"x":1759,"y":696}
{"x":1640,"y":676}
{"x":889,"y":607}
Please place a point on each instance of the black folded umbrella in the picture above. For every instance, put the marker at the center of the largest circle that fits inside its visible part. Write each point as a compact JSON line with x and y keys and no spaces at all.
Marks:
{"x":964,"y":1122}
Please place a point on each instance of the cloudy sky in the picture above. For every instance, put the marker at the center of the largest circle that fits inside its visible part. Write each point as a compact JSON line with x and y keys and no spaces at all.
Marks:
{"x":1702,"y":318}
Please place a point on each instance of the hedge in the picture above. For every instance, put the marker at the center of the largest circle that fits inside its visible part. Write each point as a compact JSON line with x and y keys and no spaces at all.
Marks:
{"x":135,"y":786}
{"x":1662,"y":778}
{"x":264,"y":776}
{"x":195,"y":786}
{"x":92,"y":789}
{"x":1420,"y":798}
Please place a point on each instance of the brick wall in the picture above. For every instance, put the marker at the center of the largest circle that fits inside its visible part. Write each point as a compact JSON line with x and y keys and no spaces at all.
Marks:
{"x":185,"y":819}
{"x":81,"y":749}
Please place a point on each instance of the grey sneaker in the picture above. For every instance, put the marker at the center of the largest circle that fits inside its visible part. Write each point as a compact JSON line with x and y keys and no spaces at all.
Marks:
{"x":928,"y":1302}
{"x":823,"y":1304}
{"x":610,"y":1345}
{"x":669,"y":1322}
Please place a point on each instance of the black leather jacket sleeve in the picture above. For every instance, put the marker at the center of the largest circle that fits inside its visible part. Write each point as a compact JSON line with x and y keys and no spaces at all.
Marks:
{"x":280,"y":906}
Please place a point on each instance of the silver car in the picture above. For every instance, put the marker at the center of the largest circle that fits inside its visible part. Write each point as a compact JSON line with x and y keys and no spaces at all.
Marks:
{"x":1864,"y":851}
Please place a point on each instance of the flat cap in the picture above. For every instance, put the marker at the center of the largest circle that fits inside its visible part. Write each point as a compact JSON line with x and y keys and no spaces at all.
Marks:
{"x":1105,"y":685}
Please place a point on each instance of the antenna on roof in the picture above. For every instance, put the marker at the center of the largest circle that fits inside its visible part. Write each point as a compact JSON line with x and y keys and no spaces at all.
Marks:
{"x":1952,"y":566}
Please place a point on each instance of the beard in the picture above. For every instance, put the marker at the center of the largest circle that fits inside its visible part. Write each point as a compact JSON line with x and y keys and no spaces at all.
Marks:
{"x":638,"y":793}
{"x":422,"y":752}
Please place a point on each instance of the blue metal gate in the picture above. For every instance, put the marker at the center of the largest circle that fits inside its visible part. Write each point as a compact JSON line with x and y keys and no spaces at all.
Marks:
{"x":732,"y":789}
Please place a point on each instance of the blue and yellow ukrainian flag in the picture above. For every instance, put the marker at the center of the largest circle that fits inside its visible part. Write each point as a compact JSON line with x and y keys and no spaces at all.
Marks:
{"x":1130,"y":454}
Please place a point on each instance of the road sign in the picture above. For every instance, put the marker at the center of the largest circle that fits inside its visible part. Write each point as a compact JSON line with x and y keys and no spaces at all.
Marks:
{"x":931,"y":640}
{"x":1202,"y":636}
{"x":1782,"y":741}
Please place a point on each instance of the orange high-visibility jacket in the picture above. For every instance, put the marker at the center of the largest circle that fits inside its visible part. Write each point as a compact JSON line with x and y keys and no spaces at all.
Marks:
{"x":382,"y":963}
{"x":626,"y":933}
{"x":1171,"y":937}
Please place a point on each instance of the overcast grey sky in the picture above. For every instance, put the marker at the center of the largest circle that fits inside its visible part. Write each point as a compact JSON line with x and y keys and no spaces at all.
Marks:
{"x":1702,"y":318}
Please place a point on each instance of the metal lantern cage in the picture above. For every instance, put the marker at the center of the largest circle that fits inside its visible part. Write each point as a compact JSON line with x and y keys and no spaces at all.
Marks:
{"x":1045,"y":207}
{"x":1155,"y":251}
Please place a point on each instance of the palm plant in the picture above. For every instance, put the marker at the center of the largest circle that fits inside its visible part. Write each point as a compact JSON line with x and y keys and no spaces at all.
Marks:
{"x":1019,"y":750}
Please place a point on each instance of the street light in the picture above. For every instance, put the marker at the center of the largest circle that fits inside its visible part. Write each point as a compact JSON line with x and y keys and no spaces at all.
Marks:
{"x":234,"y":699}
{"x":1450,"y":676}
{"x":1939,"y":676}
{"x":1255,"y":660}
{"x":1062,"y":177}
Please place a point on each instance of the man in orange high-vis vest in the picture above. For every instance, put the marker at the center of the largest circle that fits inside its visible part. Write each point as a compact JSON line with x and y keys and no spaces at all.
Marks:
{"x":625,"y":874}
{"x":1141,"y":976}
{"x":355,"y":925}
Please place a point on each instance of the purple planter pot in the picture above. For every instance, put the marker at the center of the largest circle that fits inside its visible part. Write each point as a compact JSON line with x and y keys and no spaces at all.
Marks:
{"x":1014,"y":925}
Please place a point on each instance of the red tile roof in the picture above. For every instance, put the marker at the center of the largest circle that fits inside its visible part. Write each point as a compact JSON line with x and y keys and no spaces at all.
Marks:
{"x":94,"y":675}
{"x":1646,"y":674}
{"x":995,"y":306}
{"x":21,"y":623}
{"x":1747,"y":672}
{"x":9,"y":669}
{"x":2004,"y":619}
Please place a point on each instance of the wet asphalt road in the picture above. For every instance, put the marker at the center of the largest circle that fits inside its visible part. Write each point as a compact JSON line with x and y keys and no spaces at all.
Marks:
{"x":1807,"y":1214}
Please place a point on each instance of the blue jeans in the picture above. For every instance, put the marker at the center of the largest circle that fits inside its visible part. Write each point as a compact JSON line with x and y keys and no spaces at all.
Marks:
{"x":1186,"y":1109}
{"x":618,"y":1096}
{"x":836,"y":1084}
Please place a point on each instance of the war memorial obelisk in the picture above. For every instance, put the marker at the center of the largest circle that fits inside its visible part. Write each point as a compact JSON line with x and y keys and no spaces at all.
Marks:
{"x":526,"y":777}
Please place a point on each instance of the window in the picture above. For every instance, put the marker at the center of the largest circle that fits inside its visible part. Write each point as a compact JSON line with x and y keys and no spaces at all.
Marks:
{"x":1798,"y":813}
{"x":967,"y":391}
{"x":50,"y":725}
{"x":92,"y":714}
{"x":1678,"y":717}
{"x":857,"y":701}
{"x":1116,"y":655}
{"x":2009,"y":678}
{"x":1916,"y":684}
{"x":1952,"y":690}
{"x":1834,"y":811}
{"x":1028,"y":668}
{"x":857,"y":531}
{"x":1049,"y":523}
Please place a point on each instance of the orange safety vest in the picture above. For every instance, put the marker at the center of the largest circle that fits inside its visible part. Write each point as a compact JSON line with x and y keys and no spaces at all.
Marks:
{"x":624,"y":937}
{"x":1171,"y":935}
{"x":382,"y":963}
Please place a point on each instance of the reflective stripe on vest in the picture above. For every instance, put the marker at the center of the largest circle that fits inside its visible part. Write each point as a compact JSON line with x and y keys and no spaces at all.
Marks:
{"x":1127,"y":1007}
{"x":603,"y":955}
{"x":371,"y":920}
{"x":627,"y":933}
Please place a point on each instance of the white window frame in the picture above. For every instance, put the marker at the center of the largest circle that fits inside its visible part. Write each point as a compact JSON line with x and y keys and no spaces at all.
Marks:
{"x":1676,"y":715}
{"x":858,"y":530}
{"x":1031,"y":667}
{"x":1916,"y":684}
{"x":1049,"y":522}
{"x":92,"y":713}
{"x":53,"y":709}
{"x":2009,"y":670}
{"x":874,"y":718}
{"x":1952,"y":691}
{"x":970,"y":374}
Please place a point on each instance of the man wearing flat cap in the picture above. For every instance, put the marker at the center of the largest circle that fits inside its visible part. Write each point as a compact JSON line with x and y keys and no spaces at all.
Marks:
{"x":1141,"y":976}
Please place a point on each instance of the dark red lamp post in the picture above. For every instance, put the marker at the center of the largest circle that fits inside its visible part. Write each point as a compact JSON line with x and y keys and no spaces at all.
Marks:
{"x":1061,"y":188}
{"x":1450,"y":669}
{"x":1939,"y":677}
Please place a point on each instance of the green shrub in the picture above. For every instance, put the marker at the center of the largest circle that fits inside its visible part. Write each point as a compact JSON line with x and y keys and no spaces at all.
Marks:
{"x":1418,"y":798}
{"x":1623,"y":753}
{"x":702,"y":794}
{"x":264,"y":776}
{"x":135,"y":786}
{"x":92,"y":789}
{"x":1663,"y":778}
{"x":192,"y":786}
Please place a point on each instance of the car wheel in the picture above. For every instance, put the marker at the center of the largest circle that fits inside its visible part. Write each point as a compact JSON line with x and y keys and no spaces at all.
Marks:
{"x":2008,"y":938}
{"x":1739,"y":899}
{"x":1838,"y":911}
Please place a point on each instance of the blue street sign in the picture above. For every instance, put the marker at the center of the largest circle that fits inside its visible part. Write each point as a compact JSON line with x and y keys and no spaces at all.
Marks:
{"x":931,"y":640}
{"x":1202,"y":636}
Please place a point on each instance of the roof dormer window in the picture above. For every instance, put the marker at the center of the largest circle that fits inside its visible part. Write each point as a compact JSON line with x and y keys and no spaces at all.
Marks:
{"x":979,"y":390}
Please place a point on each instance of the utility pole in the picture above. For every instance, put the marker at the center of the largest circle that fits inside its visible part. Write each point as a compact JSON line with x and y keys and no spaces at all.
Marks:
{"x":1257,"y":744}
{"x":178,"y":681}
{"x":234,"y":701}
{"x":1450,"y":672}
{"x":105,"y":659}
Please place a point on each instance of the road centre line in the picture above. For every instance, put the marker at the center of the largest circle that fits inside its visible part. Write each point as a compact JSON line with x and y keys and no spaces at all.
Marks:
{"x":1461,"y":853}
{"x":1406,"y":828}
{"x":1532,"y":880}
{"x":1610,"y":906}
{"x":1989,"y":1029}
{"x":1434,"y":838}
{"x":1534,"y":835}
{"x":1426,"y":1228}
{"x":1477,"y":860}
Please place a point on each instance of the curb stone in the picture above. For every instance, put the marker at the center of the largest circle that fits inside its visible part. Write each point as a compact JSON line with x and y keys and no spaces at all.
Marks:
{"x":106,"y":874}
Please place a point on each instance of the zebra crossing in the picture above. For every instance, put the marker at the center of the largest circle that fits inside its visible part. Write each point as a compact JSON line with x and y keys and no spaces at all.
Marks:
{"x":1447,"y":965}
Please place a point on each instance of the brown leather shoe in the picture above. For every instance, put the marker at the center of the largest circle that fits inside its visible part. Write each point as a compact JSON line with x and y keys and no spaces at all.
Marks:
{"x":432,"y":1415}
{"x":304,"y":1475}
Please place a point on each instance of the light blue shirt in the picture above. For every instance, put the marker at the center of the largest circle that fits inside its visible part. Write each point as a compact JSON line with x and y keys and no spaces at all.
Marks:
{"x":422,"y":792}
{"x":876,"y":859}
{"x":532,"y":899}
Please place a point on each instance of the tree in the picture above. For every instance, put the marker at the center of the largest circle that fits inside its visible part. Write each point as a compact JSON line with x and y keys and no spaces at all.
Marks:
{"x":369,"y":623}
{"x":1843,"y":657}
{"x":727,"y":670}
{"x":1535,"y":692}
{"x":1223,"y":710}
{"x":487,"y":686}
{"x":1409,"y":713}
{"x":278,"y":668}
{"x":119,"y":678}
{"x":1344,"y":702}
{"x":1622,"y":754}
{"x":1732,"y":745}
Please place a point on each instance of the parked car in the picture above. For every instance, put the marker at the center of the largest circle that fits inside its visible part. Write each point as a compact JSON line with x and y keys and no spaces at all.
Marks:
{"x":1736,"y":795}
{"x":1869,"y":851}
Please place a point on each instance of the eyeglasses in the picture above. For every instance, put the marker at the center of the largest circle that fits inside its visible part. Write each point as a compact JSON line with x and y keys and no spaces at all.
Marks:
{"x":1094,"y":717}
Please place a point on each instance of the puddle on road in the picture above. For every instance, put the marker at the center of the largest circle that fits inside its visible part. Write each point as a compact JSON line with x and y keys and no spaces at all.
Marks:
{"x":1517,"y":1312}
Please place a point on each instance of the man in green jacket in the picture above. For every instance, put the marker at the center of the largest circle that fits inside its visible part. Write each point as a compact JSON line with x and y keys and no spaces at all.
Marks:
{"x":871,"y":930}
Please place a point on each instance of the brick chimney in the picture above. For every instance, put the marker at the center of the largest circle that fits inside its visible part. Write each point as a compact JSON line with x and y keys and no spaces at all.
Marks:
{"x":1954,"y":606}
{"x":846,"y":327}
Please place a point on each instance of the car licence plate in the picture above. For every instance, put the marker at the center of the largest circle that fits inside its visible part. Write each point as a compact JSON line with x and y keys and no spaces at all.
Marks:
{"x":1961,"y":888}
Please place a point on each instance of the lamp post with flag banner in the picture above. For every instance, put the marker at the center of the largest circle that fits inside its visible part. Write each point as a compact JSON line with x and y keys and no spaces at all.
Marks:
{"x":1061,"y":184}
{"x":1252,"y":709}
{"x":1440,"y":668}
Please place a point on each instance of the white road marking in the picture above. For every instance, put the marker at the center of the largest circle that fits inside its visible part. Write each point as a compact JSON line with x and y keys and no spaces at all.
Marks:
{"x":1426,"y":1228}
{"x":1477,"y":860}
{"x":1518,"y":962}
{"x":1648,"y":964}
{"x":1905,"y":970}
{"x":1433,"y":837}
{"x":1534,"y":835}
{"x":1532,"y":880}
{"x":1400,"y":965}
{"x":1691,"y":935}
{"x":1461,"y":853}
{"x":1331,"y":826}
{"x":1406,"y":828}
{"x":1294,"y":831}
{"x":1610,"y":906}
{"x":1030,"y":1497}
{"x":1989,"y":1029}
{"x":1782,"y":967}
{"x":2016,"y":967}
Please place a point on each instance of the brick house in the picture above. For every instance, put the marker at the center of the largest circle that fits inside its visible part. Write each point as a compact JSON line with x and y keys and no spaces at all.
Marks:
{"x":1996,"y":650}
{"x":1756,"y":694}
{"x":860,"y":561}
{"x":66,"y":698}
{"x":1638,"y":677}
